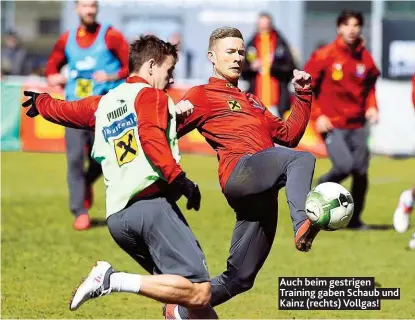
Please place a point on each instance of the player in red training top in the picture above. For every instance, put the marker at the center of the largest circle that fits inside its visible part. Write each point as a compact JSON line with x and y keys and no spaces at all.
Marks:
{"x":251,"y":169}
{"x":96,"y":56}
{"x":344,"y":77}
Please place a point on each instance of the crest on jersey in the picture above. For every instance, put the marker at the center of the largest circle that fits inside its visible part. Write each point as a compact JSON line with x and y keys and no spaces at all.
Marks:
{"x":126,"y":148}
{"x":229,"y":85}
{"x":360,"y":70}
{"x":234,"y":105}
{"x":337,"y":73}
{"x":84,"y":88}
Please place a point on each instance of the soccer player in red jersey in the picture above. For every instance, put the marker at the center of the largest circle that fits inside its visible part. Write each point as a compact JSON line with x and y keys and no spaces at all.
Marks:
{"x":344,"y":77}
{"x":97,"y":59}
{"x":251,"y":169}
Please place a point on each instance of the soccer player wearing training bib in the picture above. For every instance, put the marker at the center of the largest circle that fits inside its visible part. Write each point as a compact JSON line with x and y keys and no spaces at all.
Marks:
{"x":252,"y":170}
{"x":136,"y":145}
{"x":344,"y":77}
{"x":97,"y":59}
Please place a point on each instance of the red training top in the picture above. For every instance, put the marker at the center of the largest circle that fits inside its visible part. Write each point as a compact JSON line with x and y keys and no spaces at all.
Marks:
{"x":343,"y":83}
{"x":236,"y":123}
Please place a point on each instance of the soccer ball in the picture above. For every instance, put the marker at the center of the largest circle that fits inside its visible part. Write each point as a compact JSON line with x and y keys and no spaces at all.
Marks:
{"x":329,"y":206}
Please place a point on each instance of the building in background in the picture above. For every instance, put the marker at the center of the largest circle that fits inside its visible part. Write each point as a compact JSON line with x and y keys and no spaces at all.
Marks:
{"x":305,"y":24}
{"x":38,"y":24}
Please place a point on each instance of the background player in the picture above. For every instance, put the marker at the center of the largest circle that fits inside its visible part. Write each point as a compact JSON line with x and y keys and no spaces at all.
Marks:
{"x":269,"y":66}
{"x":97,"y":59}
{"x":401,"y":217}
{"x":344,"y":77}
{"x":136,"y":144}
{"x":251,"y":170}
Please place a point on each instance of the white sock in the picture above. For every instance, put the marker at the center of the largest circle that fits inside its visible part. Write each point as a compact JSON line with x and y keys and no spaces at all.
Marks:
{"x":176,"y":313}
{"x":407,"y":198}
{"x":125,"y":282}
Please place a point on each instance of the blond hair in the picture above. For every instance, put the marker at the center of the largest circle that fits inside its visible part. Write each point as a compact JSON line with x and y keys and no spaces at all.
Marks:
{"x":223,"y":32}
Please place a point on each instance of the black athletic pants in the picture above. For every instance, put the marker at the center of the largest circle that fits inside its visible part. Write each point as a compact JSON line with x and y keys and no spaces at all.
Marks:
{"x":252,"y":191}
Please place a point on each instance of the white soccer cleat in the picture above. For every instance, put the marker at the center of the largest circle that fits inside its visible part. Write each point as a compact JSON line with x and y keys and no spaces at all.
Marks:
{"x":97,"y":284}
{"x":411,"y":244}
{"x":401,"y":217}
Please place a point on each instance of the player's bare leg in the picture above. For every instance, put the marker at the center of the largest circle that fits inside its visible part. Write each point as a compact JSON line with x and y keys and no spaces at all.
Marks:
{"x":175,"y":289}
{"x":103,"y":280}
{"x":401,"y":217}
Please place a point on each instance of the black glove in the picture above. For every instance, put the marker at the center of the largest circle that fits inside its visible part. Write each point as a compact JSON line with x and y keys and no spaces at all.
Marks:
{"x":189,"y":189}
{"x":31,"y":102}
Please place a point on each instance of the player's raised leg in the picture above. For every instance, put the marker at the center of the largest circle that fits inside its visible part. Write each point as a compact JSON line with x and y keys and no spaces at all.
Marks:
{"x":275,"y":168}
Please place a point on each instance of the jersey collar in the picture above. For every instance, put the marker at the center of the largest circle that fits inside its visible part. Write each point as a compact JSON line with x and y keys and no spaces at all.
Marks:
{"x":136,"y":79}
{"x":222,"y":83}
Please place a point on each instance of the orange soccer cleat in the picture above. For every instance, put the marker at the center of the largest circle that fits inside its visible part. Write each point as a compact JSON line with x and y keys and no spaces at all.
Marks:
{"x":305,"y":235}
{"x":82,"y":222}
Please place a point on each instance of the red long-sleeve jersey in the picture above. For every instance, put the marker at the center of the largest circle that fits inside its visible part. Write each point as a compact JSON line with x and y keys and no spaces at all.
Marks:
{"x":114,"y":40}
{"x":343,"y":82}
{"x":235,"y":123}
{"x":151,"y":106}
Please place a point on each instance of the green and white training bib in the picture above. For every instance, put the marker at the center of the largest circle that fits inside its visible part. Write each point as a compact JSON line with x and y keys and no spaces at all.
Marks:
{"x":117,"y":146}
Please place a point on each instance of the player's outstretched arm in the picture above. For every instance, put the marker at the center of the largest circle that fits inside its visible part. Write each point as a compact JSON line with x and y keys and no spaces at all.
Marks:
{"x":289,"y":133}
{"x":75,"y":114}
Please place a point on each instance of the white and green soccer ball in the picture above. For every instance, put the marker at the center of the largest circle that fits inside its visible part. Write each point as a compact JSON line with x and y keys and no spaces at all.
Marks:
{"x":329,"y":206}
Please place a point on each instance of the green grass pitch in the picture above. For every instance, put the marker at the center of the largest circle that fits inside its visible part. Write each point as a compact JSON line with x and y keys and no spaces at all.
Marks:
{"x":43,"y":258}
